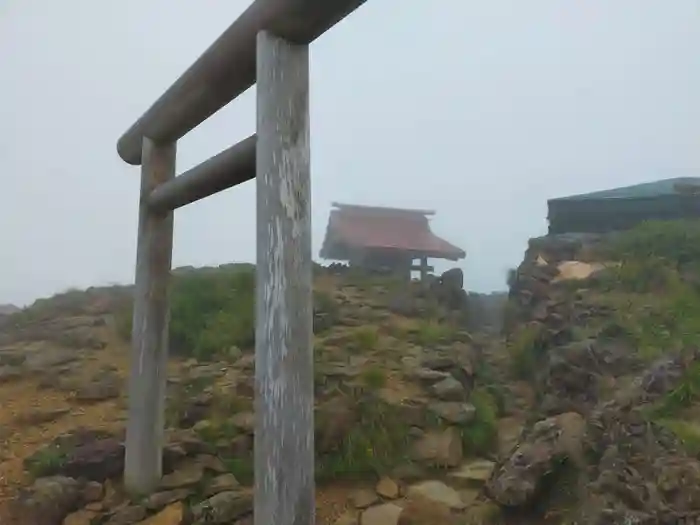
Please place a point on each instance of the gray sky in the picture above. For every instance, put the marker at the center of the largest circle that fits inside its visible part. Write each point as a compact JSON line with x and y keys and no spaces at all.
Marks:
{"x":478,"y":109}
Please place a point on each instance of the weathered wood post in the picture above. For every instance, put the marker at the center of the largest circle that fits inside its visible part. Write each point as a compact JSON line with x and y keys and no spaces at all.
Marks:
{"x":149,"y":339}
{"x":284,"y":425}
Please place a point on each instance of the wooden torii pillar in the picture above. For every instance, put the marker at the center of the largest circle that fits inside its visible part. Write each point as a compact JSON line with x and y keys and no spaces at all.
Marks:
{"x":269,"y":44}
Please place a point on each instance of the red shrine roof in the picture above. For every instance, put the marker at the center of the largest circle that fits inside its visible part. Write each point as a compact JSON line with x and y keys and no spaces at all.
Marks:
{"x":354,"y":226}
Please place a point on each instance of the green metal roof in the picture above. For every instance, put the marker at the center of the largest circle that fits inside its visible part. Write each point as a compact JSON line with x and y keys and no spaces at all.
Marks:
{"x":639,"y":191}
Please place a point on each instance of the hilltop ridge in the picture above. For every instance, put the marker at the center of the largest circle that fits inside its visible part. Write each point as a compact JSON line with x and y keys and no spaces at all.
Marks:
{"x":581,"y":411}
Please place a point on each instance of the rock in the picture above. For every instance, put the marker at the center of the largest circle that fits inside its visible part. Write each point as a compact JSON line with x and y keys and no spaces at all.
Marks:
{"x":334,"y":419}
{"x":438,"y":492}
{"x":348,"y":518}
{"x":49,"y":500}
{"x":81,"y":517}
{"x":9,"y":309}
{"x":40,"y":416}
{"x":106,"y":385}
{"x":478,"y":471}
{"x":386,"y":514}
{"x":193,"y":410}
{"x":422,"y":511}
{"x":128,"y":515}
{"x":516,"y":482}
{"x":223,"y":483}
{"x":93,"y":491}
{"x":482,"y":513}
{"x":210,"y":463}
{"x":9,"y":373}
{"x":364,"y":498}
{"x":113,"y":498}
{"x":408,"y":472}
{"x":427,"y":375}
{"x":187,"y":475}
{"x":244,"y":421}
{"x":81,"y":453}
{"x":509,"y":431}
{"x":453,"y":411}
{"x":576,"y":270}
{"x":439,"y":448}
{"x":387,"y":488}
{"x":223,"y":508}
{"x":97,"y":461}
{"x":159,"y":500}
{"x":189,"y":442}
{"x":412,"y":413}
{"x":171,"y":515}
{"x":449,"y":389}
{"x":203,"y":427}
{"x":45,"y":359}
{"x":438,"y":361}
{"x":79,"y":338}
{"x":448,"y":289}
{"x":575,"y":372}
{"x":453,"y":278}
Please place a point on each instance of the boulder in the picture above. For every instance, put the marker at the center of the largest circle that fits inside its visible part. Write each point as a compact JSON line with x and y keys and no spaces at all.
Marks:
{"x":49,"y":500}
{"x":516,"y":481}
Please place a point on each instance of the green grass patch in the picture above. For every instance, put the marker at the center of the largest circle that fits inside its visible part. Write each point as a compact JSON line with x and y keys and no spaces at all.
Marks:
{"x":479,"y":436}
{"x":211,"y":310}
{"x":688,"y":433}
{"x":45,"y":462}
{"x":527,"y":347}
{"x":430,"y":333}
{"x":365,"y":339}
{"x":374,"y":378}
{"x":375,"y":445}
{"x":683,"y":396}
{"x":242,"y":468}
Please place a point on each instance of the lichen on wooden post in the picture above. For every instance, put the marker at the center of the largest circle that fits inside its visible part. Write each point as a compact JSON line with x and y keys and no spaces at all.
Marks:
{"x":284,"y":426}
{"x":149,"y":353}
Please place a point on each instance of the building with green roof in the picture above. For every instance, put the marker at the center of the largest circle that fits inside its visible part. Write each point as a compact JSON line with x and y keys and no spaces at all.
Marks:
{"x":623,"y":208}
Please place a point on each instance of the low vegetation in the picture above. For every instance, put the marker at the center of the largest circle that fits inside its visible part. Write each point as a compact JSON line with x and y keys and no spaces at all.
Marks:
{"x":210,"y":311}
{"x":649,"y":294}
{"x":397,"y":377}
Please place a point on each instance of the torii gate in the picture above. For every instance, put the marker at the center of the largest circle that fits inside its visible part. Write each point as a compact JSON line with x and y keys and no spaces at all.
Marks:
{"x":267,"y":44}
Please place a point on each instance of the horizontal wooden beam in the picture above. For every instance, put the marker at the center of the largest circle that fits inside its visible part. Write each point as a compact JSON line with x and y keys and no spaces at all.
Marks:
{"x":417,"y":268}
{"x":231,"y":167}
{"x":227,"y":68}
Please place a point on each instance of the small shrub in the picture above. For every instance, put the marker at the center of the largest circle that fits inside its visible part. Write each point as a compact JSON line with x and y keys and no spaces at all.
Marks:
{"x":365,"y":338}
{"x":661,"y":324}
{"x":242,"y":468}
{"x":526,"y":348}
{"x":326,"y":311}
{"x":375,"y":445}
{"x":374,"y":378}
{"x":686,"y":432}
{"x":430,"y":333}
{"x":486,"y":380}
{"x":639,"y":276}
{"x":479,"y":436}
{"x":211,"y":310}
{"x":685,"y":394}
{"x":676,"y":242}
{"x":653,"y":255}
{"x":46,"y":462}
{"x":511,"y":277}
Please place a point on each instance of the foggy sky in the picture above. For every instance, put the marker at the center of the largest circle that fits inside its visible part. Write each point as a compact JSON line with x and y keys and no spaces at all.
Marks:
{"x":480,"y":110}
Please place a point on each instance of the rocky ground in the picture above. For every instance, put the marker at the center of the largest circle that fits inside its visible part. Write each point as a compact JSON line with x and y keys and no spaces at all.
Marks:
{"x":581,"y":413}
